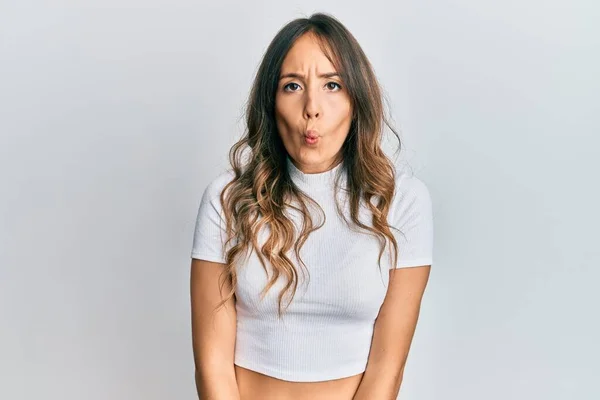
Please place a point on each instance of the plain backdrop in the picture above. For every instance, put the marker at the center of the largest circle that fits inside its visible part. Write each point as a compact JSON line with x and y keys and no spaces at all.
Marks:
{"x":114,"y":116}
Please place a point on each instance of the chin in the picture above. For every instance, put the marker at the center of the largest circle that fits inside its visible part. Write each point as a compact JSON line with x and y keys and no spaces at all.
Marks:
{"x":313,"y":162}
{"x":308,"y":157}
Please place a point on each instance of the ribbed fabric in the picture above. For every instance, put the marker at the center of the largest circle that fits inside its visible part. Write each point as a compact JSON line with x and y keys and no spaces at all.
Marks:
{"x":327,"y":330}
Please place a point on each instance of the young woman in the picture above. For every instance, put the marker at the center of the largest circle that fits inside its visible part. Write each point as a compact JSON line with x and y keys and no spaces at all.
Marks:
{"x":300,"y":286}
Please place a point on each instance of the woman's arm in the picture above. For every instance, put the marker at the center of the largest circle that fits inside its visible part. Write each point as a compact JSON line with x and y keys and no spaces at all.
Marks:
{"x":213,"y":333}
{"x":393,"y":334}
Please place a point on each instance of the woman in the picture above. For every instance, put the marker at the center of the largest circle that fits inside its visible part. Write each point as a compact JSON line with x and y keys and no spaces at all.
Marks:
{"x":293,"y":296}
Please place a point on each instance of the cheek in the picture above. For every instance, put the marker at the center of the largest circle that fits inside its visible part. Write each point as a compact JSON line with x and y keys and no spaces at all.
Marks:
{"x":341,"y":112}
{"x":284,"y":114}
{"x":339,"y":107}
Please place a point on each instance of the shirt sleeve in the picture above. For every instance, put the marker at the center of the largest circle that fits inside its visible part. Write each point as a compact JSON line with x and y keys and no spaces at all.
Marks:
{"x":209,"y":233}
{"x":412,"y":216}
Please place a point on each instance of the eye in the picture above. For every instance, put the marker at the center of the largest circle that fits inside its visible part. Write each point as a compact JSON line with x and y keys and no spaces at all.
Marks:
{"x":290,"y":84}
{"x":334,"y":83}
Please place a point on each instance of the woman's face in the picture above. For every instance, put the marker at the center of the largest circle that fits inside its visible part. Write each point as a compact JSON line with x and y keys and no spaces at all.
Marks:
{"x":312,"y":107}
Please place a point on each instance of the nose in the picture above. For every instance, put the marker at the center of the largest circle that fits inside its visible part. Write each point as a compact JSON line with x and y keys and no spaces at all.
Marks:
{"x":312,"y":106}
{"x":311,"y":113}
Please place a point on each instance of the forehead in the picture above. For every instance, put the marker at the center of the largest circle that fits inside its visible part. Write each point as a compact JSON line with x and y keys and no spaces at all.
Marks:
{"x":306,"y":53}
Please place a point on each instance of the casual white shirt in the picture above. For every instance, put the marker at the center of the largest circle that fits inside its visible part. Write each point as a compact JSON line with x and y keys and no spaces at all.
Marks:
{"x":327,"y":330}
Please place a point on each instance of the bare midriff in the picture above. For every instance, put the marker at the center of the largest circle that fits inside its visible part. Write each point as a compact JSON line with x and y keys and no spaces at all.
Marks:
{"x":256,"y":386}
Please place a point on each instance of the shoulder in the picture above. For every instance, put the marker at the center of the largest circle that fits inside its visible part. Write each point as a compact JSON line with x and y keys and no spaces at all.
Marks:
{"x":410,"y":192}
{"x":408,"y":185}
{"x":217,"y":184}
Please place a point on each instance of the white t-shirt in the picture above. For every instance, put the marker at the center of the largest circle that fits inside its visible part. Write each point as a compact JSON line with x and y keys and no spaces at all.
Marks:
{"x":326,"y":331}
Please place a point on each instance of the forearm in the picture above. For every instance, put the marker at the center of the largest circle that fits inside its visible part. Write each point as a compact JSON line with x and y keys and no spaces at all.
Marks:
{"x":212,"y":385}
{"x":379,"y":386}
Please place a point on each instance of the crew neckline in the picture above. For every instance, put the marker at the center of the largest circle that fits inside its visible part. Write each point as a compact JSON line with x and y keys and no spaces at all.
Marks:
{"x":314,"y":181}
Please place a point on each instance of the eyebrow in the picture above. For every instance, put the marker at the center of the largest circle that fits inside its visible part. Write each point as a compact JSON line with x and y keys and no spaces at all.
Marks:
{"x":300,"y":76}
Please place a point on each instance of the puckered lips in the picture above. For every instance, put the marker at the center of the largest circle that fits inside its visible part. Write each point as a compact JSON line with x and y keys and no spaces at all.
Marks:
{"x":311,"y":137}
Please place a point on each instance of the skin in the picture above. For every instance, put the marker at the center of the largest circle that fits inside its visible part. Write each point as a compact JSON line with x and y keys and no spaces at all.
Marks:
{"x":307,"y":100}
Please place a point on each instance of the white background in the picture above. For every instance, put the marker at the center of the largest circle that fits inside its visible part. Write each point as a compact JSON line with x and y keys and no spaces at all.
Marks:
{"x":114,"y":115}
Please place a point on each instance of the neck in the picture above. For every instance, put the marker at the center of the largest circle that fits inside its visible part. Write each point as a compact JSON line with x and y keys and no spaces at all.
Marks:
{"x":310,"y":181}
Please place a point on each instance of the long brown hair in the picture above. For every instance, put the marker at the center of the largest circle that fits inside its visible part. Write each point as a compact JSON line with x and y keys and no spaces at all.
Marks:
{"x":262,"y":187}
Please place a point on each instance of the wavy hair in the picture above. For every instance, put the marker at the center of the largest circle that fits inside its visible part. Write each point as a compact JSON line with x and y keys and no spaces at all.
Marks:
{"x":262,"y":187}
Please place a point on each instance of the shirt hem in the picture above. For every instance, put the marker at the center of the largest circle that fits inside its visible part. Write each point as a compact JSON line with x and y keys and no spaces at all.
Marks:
{"x":414,"y":263}
{"x":300,"y":377}
{"x":208,"y":257}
